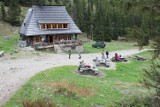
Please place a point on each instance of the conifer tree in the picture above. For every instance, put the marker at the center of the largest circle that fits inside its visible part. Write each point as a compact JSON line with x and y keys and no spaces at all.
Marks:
{"x":78,"y":13}
{"x":153,"y":74}
{"x":6,"y":2}
{"x":39,"y":2}
{"x":4,"y":15}
{"x":100,"y":20}
{"x":84,"y":15}
{"x":14,"y":12}
{"x":50,"y":1}
{"x":57,"y":1}
{"x":89,"y":19}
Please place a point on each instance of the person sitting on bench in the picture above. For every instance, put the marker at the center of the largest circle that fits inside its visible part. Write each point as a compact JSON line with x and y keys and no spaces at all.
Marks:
{"x":117,"y":57}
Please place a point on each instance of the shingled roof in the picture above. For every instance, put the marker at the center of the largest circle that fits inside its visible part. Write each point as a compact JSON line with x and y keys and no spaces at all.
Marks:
{"x":47,"y":14}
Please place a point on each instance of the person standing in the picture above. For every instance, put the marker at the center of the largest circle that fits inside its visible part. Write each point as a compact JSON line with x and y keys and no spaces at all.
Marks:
{"x":103,"y":57}
{"x":107,"y":54}
{"x":69,"y":52}
{"x":79,"y":55}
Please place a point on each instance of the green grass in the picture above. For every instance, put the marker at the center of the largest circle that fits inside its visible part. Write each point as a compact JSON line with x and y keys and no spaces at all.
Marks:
{"x":9,"y":43}
{"x":9,"y":34}
{"x":110,"y":46}
{"x":88,"y":91}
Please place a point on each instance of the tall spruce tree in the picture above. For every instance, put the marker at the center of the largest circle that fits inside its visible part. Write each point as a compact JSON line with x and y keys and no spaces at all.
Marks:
{"x":89,"y":19}
{"x":57,"y":2}
{"x":39,"y":2}
{"x":4,"y":15}
{"x":79,"y":13}
{"x":84,"y":16}
{"x":150,"y":28}
{"x":50,"y":1}
{"x":6,"y":2}
{"x":14,"y":12}
{"x":100,"y":22}
{"x":153,"y":74}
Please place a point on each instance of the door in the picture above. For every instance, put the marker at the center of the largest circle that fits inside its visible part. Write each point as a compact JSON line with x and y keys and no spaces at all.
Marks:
{"x":50,"y":39}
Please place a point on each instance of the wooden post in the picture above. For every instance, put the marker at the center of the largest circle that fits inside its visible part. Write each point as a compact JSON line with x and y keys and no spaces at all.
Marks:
{"x":75,"y":36}
{"x":53,"y":39}
{"x":45,"y":26}
{"x":34,"y":39}
{"x":39,"y":38}
{"x":48,"y":40}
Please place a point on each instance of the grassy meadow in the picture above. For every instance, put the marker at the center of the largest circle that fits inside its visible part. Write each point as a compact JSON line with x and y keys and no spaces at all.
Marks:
{"x":66,"y":88}
{"x":110,"y":46}
{"x":8,"y":37}
{"x":8,"y":43}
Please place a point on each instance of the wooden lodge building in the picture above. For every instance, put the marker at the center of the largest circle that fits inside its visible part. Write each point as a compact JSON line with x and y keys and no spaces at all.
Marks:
{"x":48,"y":24}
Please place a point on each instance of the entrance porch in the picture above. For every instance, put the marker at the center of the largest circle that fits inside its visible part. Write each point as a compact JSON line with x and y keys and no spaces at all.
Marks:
{"x":52,"y":41}
{"x":49,"y":39}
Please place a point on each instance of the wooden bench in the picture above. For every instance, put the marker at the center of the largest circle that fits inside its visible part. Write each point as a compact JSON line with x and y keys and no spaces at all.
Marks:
{"x":1,"y":53}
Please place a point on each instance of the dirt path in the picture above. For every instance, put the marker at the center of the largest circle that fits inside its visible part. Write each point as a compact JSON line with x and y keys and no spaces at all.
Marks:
{"x":15,"y":73}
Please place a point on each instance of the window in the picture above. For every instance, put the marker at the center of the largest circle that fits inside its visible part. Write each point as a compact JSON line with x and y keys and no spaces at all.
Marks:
{"x":48,"y":26}
{"x":42,"y":26}
{"x":38,"y":39}
{"x":59,"y":25}
{"x":54,"y":26}
{"x":65,"y":26}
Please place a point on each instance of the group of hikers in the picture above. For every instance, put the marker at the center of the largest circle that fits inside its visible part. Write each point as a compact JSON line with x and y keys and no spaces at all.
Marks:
{"x":116,"y":57}
{"x":105,"y":55}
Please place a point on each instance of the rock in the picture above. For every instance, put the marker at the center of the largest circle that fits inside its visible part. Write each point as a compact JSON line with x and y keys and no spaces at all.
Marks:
{"x":12,"y":68}
{"x":15,"y":51}
{"x":1,"y":53}
{"x":11,"y":53}
{"x":7,"y":37}
{"x":12,"y":29}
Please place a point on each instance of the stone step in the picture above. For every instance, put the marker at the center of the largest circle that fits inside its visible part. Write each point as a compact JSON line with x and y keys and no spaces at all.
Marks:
{"x":58,"y":49}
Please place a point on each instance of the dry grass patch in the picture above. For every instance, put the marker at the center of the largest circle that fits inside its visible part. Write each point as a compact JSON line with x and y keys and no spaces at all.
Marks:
{"x":58,"y":87}
{"x":40,"y":103}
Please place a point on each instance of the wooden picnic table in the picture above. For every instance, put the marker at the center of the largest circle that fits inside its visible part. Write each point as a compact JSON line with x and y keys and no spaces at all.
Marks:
{"x":103,"y":61}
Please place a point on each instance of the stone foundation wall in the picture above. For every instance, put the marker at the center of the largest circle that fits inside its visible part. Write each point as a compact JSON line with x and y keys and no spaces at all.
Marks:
{"x":74,"y":48}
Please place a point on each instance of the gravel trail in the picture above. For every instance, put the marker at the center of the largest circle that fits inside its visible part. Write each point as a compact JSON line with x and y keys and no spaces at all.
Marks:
{"x":16,"y":72}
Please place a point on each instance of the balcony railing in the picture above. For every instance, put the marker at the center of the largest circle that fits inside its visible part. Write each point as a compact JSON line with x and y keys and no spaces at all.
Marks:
{"x":62,"y":43}
{"x":68,"y":42}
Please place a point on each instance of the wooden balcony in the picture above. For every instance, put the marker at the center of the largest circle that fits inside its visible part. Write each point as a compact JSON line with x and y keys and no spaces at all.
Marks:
{"x":65,"y":43}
